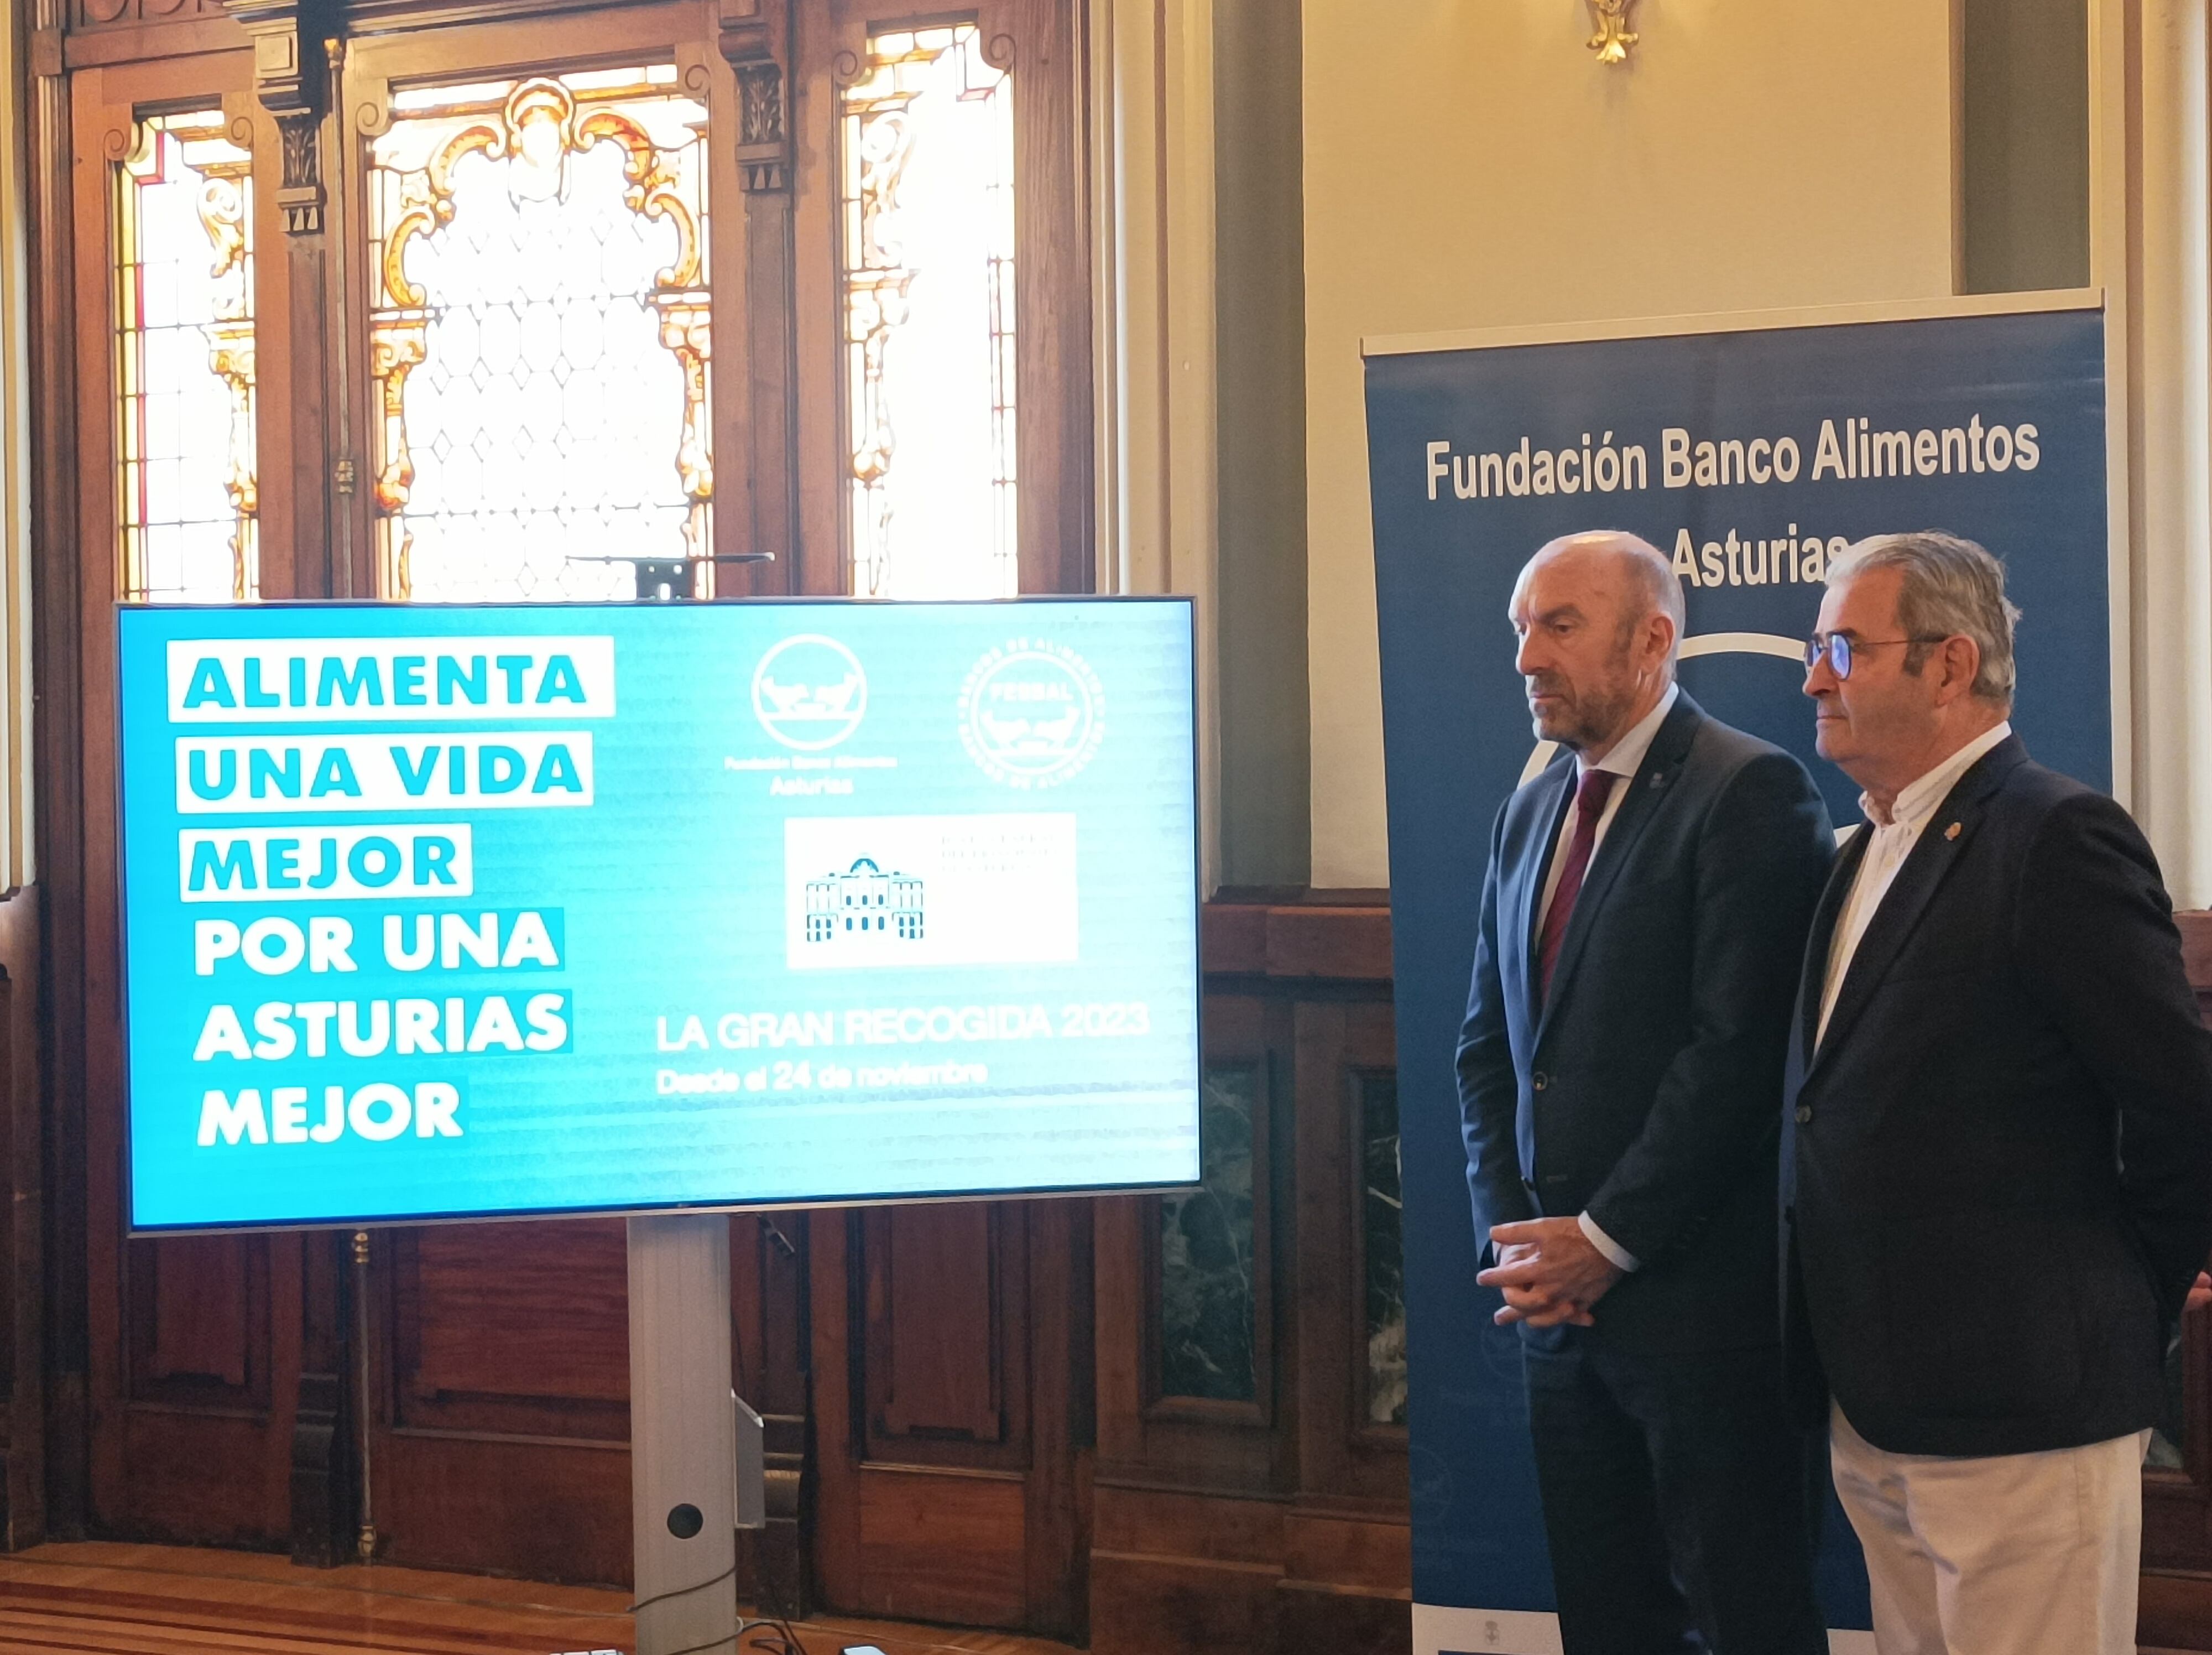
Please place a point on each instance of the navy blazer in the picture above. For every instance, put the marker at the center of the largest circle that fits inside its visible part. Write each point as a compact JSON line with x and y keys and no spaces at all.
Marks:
{"x":1643,"y":1091}
{"x":1997,"y":1172}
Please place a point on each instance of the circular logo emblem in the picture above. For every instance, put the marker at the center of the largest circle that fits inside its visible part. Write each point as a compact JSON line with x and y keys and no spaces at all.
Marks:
{"x":1032,"y":714}
{"x":809,"y":692}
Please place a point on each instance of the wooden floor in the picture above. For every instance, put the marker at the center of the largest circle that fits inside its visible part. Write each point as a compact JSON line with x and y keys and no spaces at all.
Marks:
{"x":97,"y":1599}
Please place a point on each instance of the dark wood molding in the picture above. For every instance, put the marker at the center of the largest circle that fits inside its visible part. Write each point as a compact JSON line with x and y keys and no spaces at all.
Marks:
{"x":57,"y":743}
{"x":1269,"y":932}
{"x":23,"y":1238}
{"x":1213,"y":1532}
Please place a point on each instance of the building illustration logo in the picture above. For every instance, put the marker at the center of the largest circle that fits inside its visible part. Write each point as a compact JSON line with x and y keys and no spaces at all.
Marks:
{"x":863,"y":902}
{"x":1032,"y":713}
{"x":810,"y":692}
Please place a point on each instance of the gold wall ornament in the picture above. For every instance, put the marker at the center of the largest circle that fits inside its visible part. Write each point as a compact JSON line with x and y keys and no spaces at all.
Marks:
{"x":1614,"y":37}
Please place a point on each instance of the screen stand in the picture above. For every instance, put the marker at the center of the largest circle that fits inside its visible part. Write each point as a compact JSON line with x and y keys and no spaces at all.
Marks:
{"x":683,"y":1435}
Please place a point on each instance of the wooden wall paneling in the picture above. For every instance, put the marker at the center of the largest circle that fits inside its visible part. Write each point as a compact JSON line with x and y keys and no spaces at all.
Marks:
{"x":84,"y":16}
{"x":292,"y":88}
{"x":1348,"y":1559}
{"x":1174,"y":1571}
{"x":2176,"y":1610}
{"x":500,"y":1440}
{"x":839,"y":1444}
{"x":291,"y":85}
{"x":189,"y":1431}
{"x":525,"y":1475}
{"x":1216,"y":1446}
{"x":1063,"y":1420}
{"x":770,"y":1351}
{"x":1343,"y":1455}
{"x":1214,"y":1532}
{"x":820,"y":460}
{"x":937,"y":1283}
{"x":942,"y":1496}
{"x":500,"y":1435}
{"x":23,"y":1249}
{"x":49,"y":129}
{"x":757,"y":391}
{"x":78,"y":576}
{"x":1190,"y":1493}
{"x":200,"y":1315}
{"x":525,"y":1317}
{"x":324,"y":1480}
{"x":2178,"y":1499}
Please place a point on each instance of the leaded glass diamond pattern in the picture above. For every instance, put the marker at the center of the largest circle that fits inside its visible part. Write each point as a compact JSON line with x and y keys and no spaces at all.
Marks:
{"x":541,"y":341}
{"x":187,"y":501}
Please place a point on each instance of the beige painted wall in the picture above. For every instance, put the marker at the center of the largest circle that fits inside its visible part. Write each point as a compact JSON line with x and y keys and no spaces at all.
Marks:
{"x":1469,"y":164}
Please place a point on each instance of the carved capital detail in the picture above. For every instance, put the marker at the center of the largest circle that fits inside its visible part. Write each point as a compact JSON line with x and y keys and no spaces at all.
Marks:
{"x":289,"y":78}
{"x":285,"y":75}
{"x":300,"y":195}
{"x":754,"y":36}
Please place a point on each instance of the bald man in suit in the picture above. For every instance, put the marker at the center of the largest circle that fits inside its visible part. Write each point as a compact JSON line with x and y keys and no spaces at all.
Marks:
{"x":1646,"y":902}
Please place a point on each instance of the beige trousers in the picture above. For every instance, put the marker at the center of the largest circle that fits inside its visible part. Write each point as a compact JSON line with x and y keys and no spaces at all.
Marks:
{"x":2011,"y":1554}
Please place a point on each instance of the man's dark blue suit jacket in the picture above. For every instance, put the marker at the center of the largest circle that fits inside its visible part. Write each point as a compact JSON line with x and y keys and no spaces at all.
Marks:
{"x":1644,"y":1091}
{"x":1997,"y":1171}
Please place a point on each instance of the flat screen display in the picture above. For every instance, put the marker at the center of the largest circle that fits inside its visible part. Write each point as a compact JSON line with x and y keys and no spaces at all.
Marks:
{"x":467,"y":911}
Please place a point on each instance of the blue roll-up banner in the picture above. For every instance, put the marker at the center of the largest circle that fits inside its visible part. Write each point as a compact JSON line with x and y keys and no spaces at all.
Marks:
{"x":1751,"y":450}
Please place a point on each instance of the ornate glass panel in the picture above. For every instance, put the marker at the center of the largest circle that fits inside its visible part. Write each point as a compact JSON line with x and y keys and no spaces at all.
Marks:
{"x":1209,"y":1299}
{"x":539,"y":335}
{"x":1382,"y":1246}
{"x":186,"y":505}
{"x":928,"y":254}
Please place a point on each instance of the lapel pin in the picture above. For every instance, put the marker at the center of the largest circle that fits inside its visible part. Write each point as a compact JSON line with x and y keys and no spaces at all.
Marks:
{"x":1951,"y":832}
{"x":1658,"y":778}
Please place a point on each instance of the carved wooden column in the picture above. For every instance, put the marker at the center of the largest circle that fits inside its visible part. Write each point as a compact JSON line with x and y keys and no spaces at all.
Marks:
{"x":768,"y":1293}
{"x":291,"y":78}
{"x":57,"y":643}
{"x":755,"y":37}
{"x":292,"y":81}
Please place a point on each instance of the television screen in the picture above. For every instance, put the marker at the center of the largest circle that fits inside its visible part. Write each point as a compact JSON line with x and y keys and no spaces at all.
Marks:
{"x":462,"y":911}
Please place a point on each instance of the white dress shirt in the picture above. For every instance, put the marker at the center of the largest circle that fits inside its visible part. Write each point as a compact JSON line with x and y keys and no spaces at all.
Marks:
{"x":1625,"y":758}
{"x":1895,"y":830}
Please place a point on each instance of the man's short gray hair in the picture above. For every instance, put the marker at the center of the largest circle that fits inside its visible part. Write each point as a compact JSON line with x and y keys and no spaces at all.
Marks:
{"x":1952,"y":588}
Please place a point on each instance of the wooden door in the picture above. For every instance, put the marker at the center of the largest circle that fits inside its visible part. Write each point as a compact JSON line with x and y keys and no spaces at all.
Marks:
{"x":206,"y":1375}
{"x":952,"y":1344}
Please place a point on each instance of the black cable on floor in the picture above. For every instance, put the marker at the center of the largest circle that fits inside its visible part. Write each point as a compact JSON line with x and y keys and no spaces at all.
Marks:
{"x":685,"y":1591}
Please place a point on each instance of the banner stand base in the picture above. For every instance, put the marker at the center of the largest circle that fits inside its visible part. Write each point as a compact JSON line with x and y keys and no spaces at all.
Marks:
{"x":683,"y":1434}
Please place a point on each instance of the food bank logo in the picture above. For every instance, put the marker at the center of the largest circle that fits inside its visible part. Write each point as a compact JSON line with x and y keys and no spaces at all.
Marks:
{"x":810,"y":692}
{"x":1032,"y":714}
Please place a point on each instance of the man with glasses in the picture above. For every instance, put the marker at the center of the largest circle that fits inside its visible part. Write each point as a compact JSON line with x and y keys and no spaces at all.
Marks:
{"x":1641,"y":923}
{"x":1997,"y":1165}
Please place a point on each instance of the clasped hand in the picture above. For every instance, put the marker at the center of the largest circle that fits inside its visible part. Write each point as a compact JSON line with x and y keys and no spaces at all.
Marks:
{"x":1549,"y":1273}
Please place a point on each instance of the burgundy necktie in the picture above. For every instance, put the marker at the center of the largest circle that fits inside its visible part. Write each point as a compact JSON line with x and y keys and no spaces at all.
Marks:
{"x":1595,"y":788}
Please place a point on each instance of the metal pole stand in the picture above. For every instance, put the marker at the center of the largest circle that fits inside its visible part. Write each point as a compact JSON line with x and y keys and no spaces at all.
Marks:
{"x":684,"y":1437}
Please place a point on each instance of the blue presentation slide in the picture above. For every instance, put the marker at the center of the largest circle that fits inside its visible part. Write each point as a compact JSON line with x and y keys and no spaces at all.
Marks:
{"x":443,"y":911}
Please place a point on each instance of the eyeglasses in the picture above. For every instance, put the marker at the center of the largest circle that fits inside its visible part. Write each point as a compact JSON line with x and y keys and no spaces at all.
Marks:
{"x":1839,"y":648}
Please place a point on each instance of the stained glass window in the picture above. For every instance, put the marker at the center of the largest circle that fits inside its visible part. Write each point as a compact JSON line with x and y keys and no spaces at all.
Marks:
{"x":927,"y":211}
{"x":183,"y":359}
{"x":539,"y":335}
